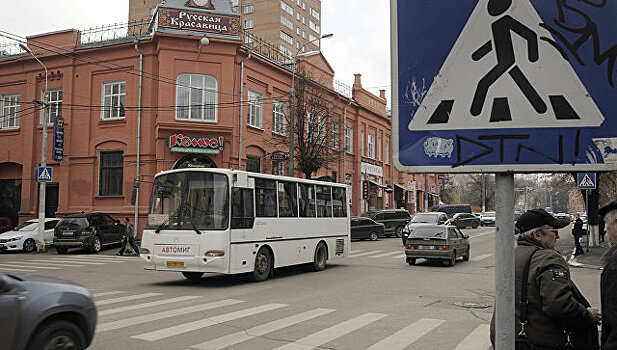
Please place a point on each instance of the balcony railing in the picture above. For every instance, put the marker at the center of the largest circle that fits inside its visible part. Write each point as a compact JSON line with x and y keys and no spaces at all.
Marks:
{"x":115,"y":32}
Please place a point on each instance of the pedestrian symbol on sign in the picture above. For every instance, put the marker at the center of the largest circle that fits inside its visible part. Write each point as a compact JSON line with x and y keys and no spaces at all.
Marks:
{"x":44,"y":174}
{"x":586,"y":182}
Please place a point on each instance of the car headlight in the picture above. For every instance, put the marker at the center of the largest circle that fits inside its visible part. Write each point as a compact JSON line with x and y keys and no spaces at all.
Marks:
{"x":15,"y":238}
{"x":406,"y":229}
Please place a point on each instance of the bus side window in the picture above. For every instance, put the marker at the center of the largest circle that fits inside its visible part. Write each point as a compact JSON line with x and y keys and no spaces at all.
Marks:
{"x":339,"y":206}
{"x":307,"y":201}
{"x":324,"y":201}
{"x":265,"y":198}
{"x":242,"y":215}
{"x":287,"y":199}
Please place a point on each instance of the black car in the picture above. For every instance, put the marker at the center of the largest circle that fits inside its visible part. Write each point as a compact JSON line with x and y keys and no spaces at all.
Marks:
{"x":424,"y":219}
{"x":87,"y":230}
{"x":462,"y":220}
{"x":363,"y":228}
{"x":393,"y":219}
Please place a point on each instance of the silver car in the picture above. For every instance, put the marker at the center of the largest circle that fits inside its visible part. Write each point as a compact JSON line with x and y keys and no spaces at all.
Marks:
{"x":437,"y":242}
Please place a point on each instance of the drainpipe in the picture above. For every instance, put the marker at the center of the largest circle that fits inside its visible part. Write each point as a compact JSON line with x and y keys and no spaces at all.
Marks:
{"x":141,"y":65}
{"x":345,"y":151}
{"x":241,"y":97}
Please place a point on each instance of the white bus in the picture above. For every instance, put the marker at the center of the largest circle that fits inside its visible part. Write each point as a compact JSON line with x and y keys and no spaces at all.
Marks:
{"x":210,"y":220}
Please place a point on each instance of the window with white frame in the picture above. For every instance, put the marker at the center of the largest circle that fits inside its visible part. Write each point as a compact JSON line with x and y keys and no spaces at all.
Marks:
{"x":298,"y":15}
{"x":314,"y":13}
{"x":310,"y":127}
{"x":321,"y":129}
{"x":362,"y":143}
{"x":379,"y":148}
{"x":287,"y":22}
{"x":9,"y":118}
{"x":196,"y":97}
{"x":278,"y":118}
{"x":387,"y":152}
{"x":255,"y":109}
{"x":303,"y":20}
{"x":314,"y":27}
{"x":287,"y":38}
{"x":248,"y":9}
{"x":370,"y":146}
{"x":335,"y":136}
{"x":313,"y":40}
{"x":248,"y":39}
{"x":304,"y":5}
{"x":303,"y":35}
{"x":287,"y":8}
{"x":55,"y":105}
{"x":249,"y":24}
{"x":348,"y":139}
{"x":114,"y":98}
{"x":297,"y":32}
{"x":286,"y":51}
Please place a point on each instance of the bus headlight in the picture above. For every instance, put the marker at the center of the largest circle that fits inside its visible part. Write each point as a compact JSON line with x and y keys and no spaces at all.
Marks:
{"x":215,"y":253}
{"x":144,"y":251}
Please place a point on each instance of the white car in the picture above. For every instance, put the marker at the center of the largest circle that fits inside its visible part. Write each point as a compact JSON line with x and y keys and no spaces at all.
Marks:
{"x":487,"y":218}
{"x":23,"y":237}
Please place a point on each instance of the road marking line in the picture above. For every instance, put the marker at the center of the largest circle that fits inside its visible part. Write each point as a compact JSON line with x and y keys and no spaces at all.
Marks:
{"x":32,"y":267}
{"x":382,"y":255}
{"x":97,"y":258}
{"x":478,"y":339}
{"x":132,"y":321}
{"x":334,"y":332}
{"x":356,"y":251}
{"x":113,"y":292}
{"x":127,"y":298}
{"x":16,"y":270}
{"x":78,"y":261}
{"x":480,"y":257}
{"x":239,"y":337}
{"x":481,"y":234}
{"x":104,"y":261}
{"x":48,"y":263}
{"x":402,"y":256}
{"x":363,"y":254}
{"x":146,"y":305}
{"x":407,"y":335}
{"x":206,"y":322}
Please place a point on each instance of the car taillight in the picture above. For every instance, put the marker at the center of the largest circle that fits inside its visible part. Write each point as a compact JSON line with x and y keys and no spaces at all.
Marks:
{"x":382,"y":225}
{"x":443,"y":247}
{"x":86,"y":232}
{"x":411,"y":246}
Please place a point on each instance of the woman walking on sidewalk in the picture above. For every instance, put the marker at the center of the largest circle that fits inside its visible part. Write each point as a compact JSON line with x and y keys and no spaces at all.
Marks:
{"x":608,"y":284}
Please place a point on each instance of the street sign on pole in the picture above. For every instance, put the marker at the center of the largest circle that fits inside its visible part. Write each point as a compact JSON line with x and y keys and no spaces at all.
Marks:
{"x":521,"y":88}
{"x":43,"y":174}
{"x":586,"y":181}
{"x":58,"y":142}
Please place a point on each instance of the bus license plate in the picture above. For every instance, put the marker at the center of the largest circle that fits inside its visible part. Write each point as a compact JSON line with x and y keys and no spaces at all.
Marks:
{"x":175,"y":264}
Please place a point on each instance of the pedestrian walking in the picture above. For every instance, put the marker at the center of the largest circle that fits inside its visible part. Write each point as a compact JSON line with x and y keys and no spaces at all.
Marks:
{"x":551,"y":313}
{"x":608,"y":280}
{"x":129,"y":237}
{"x":578,"y":232}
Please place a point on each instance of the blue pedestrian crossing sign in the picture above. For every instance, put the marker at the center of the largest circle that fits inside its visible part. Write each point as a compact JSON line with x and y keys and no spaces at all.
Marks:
{"x":504,"y":85}
{"x":43,"y":174}
{"x":586,"y":181}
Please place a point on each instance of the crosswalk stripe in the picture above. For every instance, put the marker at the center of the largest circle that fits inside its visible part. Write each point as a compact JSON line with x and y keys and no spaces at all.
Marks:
{"x":147,"y":305}
{"x":105,"y":261}
{"x":95,"y":259}
{"x":127,"y":298}
{"x":77,"y":261}
{"x":16,"y":270}
{"x":478,"y":339}
{"x":113,"y":292}
{"x":203,"y":323}
{"x":363,"y":254}
{"x":356,"y":251}
{"x":402,"y":256}
{"x":48,"y":263}
{"x":480,"y":257}
{"x":101,"y":256}
{"x":239,"y":337}
{"x":382,"y":255}
{"x":132,"y":321}
{"x":32,"y":267}
{"x":73,"y":263}
{"x":334,"y":332}
{"x":407,"y":335}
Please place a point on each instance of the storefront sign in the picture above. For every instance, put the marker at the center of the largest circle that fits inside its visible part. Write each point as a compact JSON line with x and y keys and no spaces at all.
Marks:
{"x":365,"y":189}
{"x":370,"y":169}
{"x":411,"y":193}
{"x":278,"y":155}
{"x":189,"y":144}
{"x":58,"y":142}
{"x":198,"y":21}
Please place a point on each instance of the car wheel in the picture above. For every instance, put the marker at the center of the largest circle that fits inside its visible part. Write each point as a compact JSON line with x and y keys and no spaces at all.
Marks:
{"x":474,"y":224}
{"x":193,"y":276}
{"x":58,"y":335}
{"x":62,"y":250}
{"x":321,"y":257}
{"x":96,"y":245}
{"x":373,"y":236}
{"x":399,"y":231}
{"x":411,"y":261}
{"x":452,"y":260}
{"x":29,"y":246}
{"x":466,"y":256}
{"x":263,"y":265}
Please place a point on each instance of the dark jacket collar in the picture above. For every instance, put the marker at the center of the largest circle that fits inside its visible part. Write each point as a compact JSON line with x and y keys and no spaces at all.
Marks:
{"x":529,"y":241}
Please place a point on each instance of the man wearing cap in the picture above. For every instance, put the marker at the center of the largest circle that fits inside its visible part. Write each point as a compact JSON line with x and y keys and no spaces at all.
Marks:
{"x":555,"y":305}
{"x":608,"y":281}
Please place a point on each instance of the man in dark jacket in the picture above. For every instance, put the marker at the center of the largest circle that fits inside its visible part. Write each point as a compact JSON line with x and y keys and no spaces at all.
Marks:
{"x":608,"y":281}
{"x":555,"y":305}
{"x":129,"y":237}
{"x":577,"y":232}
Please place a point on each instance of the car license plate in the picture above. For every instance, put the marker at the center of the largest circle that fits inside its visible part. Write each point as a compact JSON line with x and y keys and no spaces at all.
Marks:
{"x":67,"y":233}
{"x":427,"y":247}
{"x":175,"y":264}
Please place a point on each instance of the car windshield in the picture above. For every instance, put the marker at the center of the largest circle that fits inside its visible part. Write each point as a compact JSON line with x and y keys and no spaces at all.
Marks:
{"x":191,"y":199}
{"x":79,"y":221}
{"x":489,"y":214}
{"x":27,"y":226}
{"x":425,"y":218}
{"x":428,"y":232}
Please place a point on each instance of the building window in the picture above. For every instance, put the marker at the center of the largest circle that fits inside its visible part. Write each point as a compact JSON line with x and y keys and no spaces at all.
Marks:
{"x":348,"y":140}
{"x":55,"y":105}
{"x":335,"y":136}
{"x":114,"y":98}
{"x":387,"y":152}
{"x":287,"y":38}
{"x":314,"y":27}
{"x":379,"y":148}
{"x":248,"y":39}
{"x":196,"y":97}
{"x":313,"y":40}
{"x":303,"y":35}
{"x":362,"y":143}
{"x":255,"y":107}
{"x":253,"y":163}
{"x":9,"y":118}
{"x":287,"y":22}
{"x":110,"y":173}
{"x":286,"y":51}
{"x":278,"y":118}
{"x":370,"y":146}
{"x":297,"y":32}
{"x":314,"y":13}
{"x":287,"y":8}
{"x":248,"y":9}
{"x":298,"y":15}
{"x":248,"y":24}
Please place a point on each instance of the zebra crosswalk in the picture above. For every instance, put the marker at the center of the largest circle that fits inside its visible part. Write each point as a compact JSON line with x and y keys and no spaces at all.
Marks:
{"x":377,"y":254}
{"x":63,"y":262}
{"x":138,"y":317}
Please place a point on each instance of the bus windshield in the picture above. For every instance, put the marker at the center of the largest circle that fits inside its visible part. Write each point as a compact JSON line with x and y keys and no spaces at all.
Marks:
{"x":189,"y":200}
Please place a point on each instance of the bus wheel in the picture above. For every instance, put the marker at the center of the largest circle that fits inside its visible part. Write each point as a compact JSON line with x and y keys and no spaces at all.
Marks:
{"x":263,"y":265}
{"x":193,"y":276}
{"x":321,"y":256}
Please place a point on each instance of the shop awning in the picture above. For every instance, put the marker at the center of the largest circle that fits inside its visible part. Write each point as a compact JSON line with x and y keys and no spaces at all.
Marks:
{"x":373,"y":183}
{"x":400,"y":186}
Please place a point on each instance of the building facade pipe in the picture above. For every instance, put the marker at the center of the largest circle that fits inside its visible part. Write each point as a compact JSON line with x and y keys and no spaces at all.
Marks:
{"x":241,"y":102}
{"x":137,"y":170}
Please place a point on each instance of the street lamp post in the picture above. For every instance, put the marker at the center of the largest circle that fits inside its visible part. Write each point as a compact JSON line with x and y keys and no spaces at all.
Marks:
{"x":291,"y":109}
{"x":40,"y":239}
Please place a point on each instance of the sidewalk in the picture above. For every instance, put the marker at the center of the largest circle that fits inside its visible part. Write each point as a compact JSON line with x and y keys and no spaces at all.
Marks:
{"x":591,"y":258}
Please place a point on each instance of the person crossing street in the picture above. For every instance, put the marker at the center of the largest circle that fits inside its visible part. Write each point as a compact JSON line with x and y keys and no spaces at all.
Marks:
{"x":129,"y":237}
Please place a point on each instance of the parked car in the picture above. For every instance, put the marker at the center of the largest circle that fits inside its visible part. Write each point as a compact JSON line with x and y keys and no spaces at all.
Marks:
{"x":87,"y":230}
{"x":563,"y":216}
{"x":451,"y":209}
{"x":424,"y":219}
{"x":462,"y":220}
{"x":393,"y":219}
{"x":487,"y":218}
{"x":437,"y":242}
{"x":363,"y":228}
{"x":23,"y":237}
{"x":6,"y":224}
{"x":45,"y":313}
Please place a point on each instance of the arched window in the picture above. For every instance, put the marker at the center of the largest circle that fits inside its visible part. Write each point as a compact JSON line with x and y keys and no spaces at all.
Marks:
{"x":196,"y":97}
